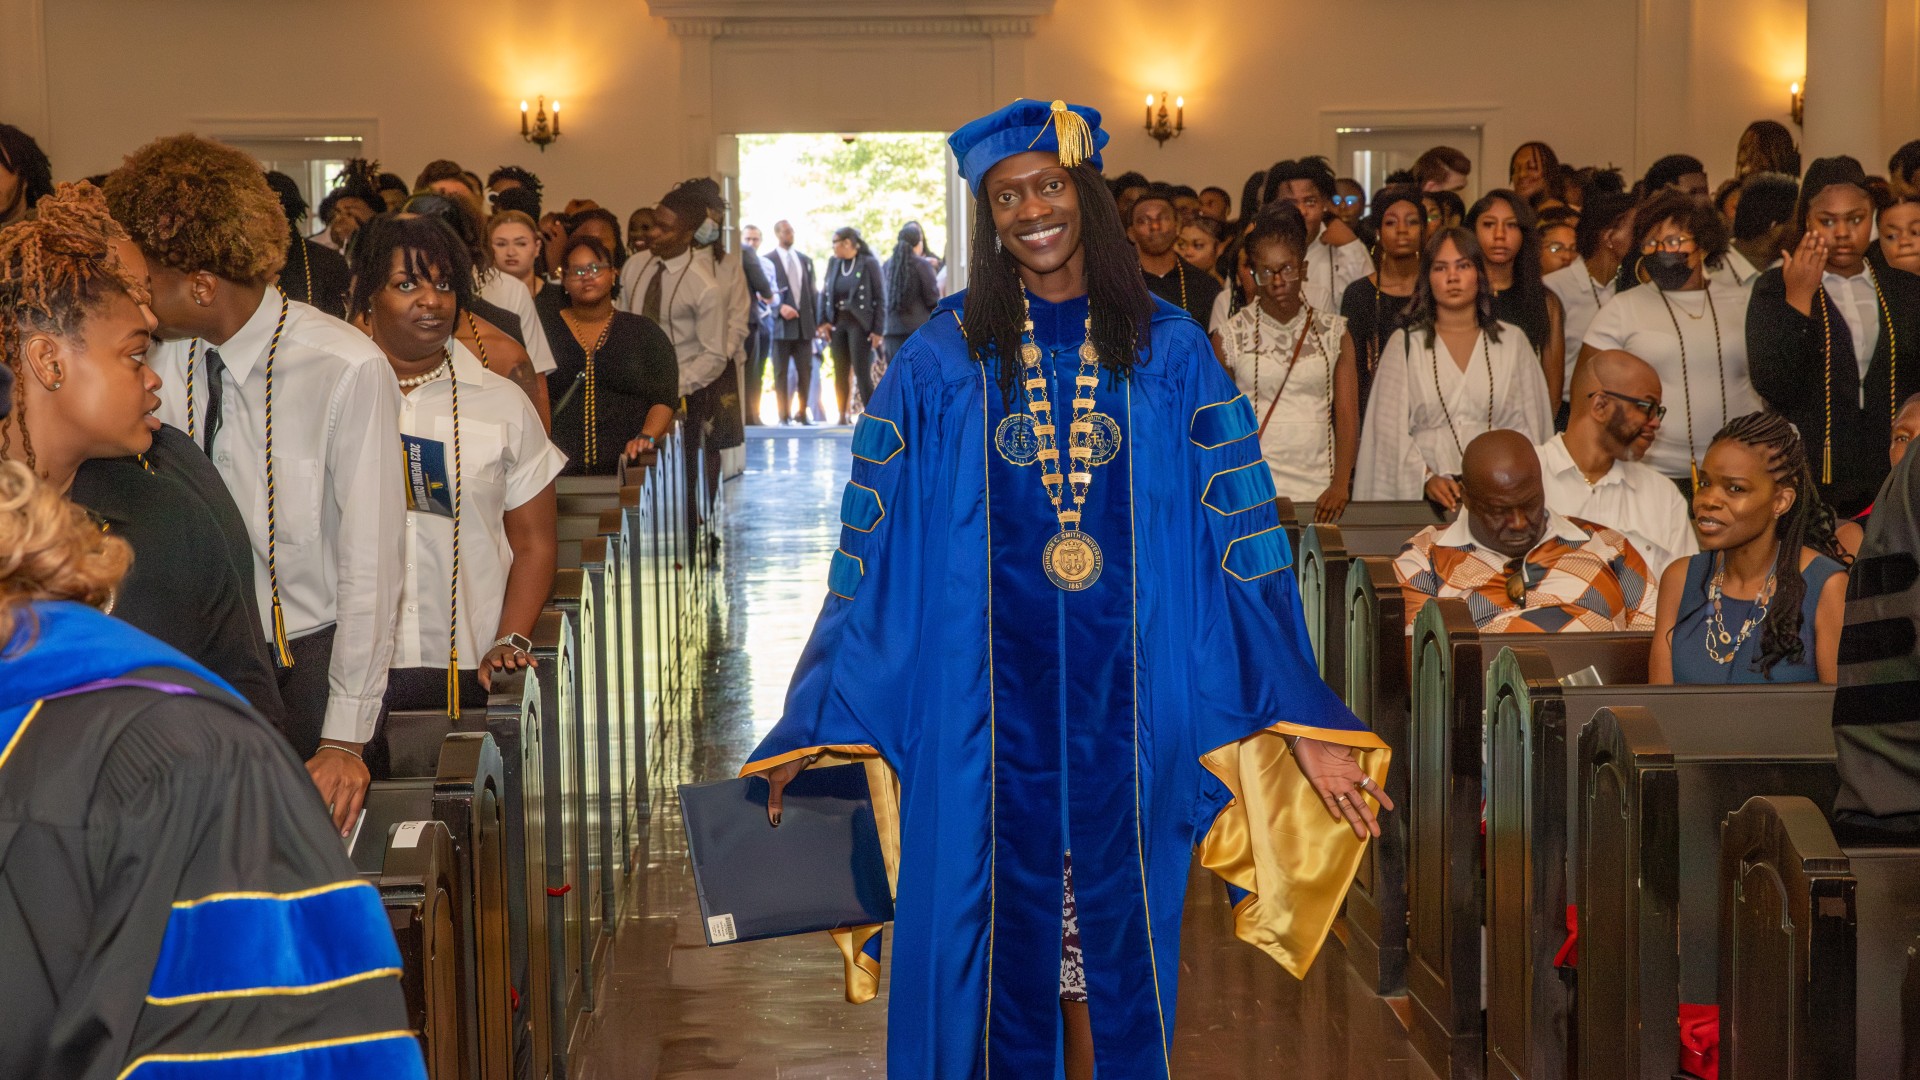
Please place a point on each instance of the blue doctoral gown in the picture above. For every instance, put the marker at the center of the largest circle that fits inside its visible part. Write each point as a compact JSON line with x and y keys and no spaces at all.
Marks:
{"x":1128,"y":723}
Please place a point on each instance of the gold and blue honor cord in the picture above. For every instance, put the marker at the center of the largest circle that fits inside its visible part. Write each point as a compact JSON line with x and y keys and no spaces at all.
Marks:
{"x":453,"y":605}
{"x":282,"y":651}
{"x":193,"y":357}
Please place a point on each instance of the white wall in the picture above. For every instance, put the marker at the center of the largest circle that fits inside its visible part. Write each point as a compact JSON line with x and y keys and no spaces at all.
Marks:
{"x":1605,"y":81}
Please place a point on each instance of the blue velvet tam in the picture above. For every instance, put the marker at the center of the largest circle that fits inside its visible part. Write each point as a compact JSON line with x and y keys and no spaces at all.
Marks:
{"x":1071,"y":131}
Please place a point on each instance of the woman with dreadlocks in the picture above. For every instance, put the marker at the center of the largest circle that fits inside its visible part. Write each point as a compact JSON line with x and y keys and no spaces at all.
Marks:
{"x":1765,"y":598}
{"x":1061,"y":613}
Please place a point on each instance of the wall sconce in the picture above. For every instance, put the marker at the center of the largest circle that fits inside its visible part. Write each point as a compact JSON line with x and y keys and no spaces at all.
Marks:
{"x":1159,"y":125}
{"x":1797,"y":104}
{"x":540,"y":132}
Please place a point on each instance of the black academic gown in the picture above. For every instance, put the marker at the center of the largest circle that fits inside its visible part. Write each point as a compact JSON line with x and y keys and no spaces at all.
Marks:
{"x":1801,"y":364}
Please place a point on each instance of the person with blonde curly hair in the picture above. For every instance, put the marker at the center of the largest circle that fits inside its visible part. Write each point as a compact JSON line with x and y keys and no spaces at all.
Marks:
{"x":74,"y":332}
{"x":315,"y":477}
{"x":170,"y":889}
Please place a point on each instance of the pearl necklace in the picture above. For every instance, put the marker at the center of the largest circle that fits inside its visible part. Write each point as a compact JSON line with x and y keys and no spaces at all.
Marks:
{"x":422,"y":380}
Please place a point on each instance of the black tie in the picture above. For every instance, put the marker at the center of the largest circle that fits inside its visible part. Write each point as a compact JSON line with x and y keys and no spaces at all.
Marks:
{"x":214,"y":370}
{"x":650,"y":303}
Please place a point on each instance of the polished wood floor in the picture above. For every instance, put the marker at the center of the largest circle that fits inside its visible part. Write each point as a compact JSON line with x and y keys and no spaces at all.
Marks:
{"x":673,"y":1009}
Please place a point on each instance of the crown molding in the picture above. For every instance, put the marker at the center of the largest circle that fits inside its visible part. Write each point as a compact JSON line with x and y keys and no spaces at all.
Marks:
{"x":812,"y":18}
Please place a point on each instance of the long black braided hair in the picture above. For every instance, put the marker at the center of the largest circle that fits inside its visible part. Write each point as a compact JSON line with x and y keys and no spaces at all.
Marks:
{"x":1809,"y":523}
{"x":1117,"y":295}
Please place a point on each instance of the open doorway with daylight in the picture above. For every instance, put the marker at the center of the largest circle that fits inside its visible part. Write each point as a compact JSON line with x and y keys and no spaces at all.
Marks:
{"x":874,"y":184}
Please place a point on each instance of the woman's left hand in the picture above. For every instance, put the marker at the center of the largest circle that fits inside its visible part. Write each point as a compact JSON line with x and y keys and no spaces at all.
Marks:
{"x":640,"y":444}
{"x":1336,"y":776}
{"x":875,"y":340}
{"x":503,"y":658}
{"x":1331,"y":504}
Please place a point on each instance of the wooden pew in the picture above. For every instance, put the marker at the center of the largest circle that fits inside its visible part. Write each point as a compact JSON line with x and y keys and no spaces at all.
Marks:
{"x":1815,"y":948}
{"x":581,"y":597}
{"x":1656,"y":782}
{"x":1375,"y":687}
{"x":1532,"y":788}
{"x":568,"y":944}
{"x":1446,"y":897}
{"x":1321,"y":561}
{"x":413,"y":864}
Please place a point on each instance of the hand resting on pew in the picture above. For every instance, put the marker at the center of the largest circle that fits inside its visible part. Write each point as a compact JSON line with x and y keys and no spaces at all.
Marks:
{"x":342,"y":778}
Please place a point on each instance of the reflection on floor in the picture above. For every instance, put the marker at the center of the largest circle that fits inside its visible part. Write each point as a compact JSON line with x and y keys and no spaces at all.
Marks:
{"x":674,"y":1009}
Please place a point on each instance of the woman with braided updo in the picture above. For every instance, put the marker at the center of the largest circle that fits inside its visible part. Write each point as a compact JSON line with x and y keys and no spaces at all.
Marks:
{"x":1765,"y":598}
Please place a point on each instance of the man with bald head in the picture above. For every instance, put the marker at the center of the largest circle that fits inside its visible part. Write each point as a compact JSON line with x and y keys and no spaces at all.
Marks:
{"x":1519,"y":565}
{"x":1594,"y":471}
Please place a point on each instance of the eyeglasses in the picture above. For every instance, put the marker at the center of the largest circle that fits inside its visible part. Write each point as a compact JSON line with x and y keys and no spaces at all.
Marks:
{"x":589,"y":270}
{"x":1517,"y":581}
{"x":1670,"y":243}
{"x":1646,"y":405}
{"x":1264,"y":275}
{"x":1555,"y":247}
{"x":1346,"y":200}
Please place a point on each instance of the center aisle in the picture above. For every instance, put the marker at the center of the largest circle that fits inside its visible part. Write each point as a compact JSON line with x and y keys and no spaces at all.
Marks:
{"x":673,"y":1009}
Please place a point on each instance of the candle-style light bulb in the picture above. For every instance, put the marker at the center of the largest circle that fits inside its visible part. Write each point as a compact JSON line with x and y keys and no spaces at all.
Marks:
{"x":1794,"y":89}
{"x":1179,"y":114}
{"x":523,"y":119}
{"x":556,"y":119}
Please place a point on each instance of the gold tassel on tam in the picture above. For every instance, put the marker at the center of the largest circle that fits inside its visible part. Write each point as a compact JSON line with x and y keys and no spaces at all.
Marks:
{"x":1070,"y":128}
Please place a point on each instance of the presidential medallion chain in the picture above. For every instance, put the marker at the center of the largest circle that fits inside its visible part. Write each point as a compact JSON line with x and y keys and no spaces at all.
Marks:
{"x":1071,"y":559}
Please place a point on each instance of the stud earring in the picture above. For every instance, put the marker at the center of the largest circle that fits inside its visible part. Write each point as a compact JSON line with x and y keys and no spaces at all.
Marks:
{"x":996,"y":242}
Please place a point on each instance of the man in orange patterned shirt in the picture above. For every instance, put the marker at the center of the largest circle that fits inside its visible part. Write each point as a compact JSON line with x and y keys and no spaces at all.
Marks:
{"x":1518,"y":565}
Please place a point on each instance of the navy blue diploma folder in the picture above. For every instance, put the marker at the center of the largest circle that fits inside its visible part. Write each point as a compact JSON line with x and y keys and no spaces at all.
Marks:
{"x":820,"y":870}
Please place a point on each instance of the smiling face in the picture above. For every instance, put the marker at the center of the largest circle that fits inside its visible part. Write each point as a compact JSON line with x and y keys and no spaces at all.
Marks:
{"x":668,"y":235}
{"x":1738,"y":500}
{"x":640,"y":230}
{"x":515,"y":249}
{"x":1900,"y":236}
{"x":1528,"y":172}
{"x":413,"y":312}
{"x":1844,"y":215}
{"x":1036,"y":211}
{"x":1498,"y":230}
{"x":107,"y":394}
{"x":1454,"y":278}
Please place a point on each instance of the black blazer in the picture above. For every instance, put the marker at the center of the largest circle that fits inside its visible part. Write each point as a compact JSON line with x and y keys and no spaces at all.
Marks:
{"x":800,"y":295}
{"x":910,"y":311}
{"x":869,"y":293}
{"x":1788,"y":361}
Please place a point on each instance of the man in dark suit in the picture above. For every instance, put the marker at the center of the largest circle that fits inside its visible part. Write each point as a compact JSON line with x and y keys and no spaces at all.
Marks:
{"x":796,"y":317}
{"x":759,"y":321}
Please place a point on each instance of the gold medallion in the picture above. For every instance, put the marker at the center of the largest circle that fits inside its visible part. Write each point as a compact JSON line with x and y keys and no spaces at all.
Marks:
{"x":1104,"y":439}
{"x":1017,"y":440}
{"x":1072,"y":560}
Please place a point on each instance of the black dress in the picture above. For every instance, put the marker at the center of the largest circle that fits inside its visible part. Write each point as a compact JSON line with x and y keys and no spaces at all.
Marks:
{"x":1372,"y":318}
{"x":634,"y":370}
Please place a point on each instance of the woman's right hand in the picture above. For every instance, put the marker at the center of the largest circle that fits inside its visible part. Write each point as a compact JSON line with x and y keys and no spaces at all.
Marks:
{"x":1802,"y":271}
{"x":1444,"y":490}
{"x":778,"y":778}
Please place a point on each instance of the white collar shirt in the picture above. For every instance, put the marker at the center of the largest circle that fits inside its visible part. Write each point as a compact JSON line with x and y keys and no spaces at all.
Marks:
{"x":1581,"y":298}
{"x":510,"y":293}
{"x":505,"y":461}
{"x":1632,"y":499}
{"x":1735,"y":269}
{"x":1331,"y":269}
{"x":693,"y":310}
{"x":339,"y":494}
{"x":1859,"y":305}
{"x":1459,"y":534}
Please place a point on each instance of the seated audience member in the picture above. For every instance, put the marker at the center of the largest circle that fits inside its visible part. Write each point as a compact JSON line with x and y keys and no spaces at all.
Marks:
{"x":1154,"y":228}
{"x":141,"y":802}
{"x":1452,"y":372}
{"x":469,"y":597}
{"x":1593,"y":471}
{"x":74,"y":330}
{"x":1764,"y":599}
{"x":314,"y":274}
{"x":1760,"y":222}
{"x":1906,"y":428}
{"x":1825,"y":336}
{"x":1900,"y":234}
{"x":1517,"y":564}
{"x":327,"y":536}
{"x":618,"y":381}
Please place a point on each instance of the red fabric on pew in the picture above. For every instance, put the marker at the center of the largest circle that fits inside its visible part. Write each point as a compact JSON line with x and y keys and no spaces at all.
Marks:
{"x":1700,"y":1040}
{"x":1569,"y":954}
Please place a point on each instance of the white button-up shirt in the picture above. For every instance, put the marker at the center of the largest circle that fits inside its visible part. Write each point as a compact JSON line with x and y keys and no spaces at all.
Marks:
{"x":1581,"y":298}
{"x":693,"y":307}
{"x":1331,"y":269}
{"x":506,"y":460}
{"x":340,"y":496}
{"x":497,"y":288}
{"x":1632,"y":499}
{"x":1860,"y":308}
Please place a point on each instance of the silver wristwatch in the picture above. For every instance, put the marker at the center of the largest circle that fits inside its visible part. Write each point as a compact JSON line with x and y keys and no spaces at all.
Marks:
{"x":516,"y":642}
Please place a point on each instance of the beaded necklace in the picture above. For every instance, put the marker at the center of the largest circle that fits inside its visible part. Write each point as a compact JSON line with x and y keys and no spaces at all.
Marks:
{"x":1686,"y":386}
{"x":1486,"y":352}
{"x":1826,"y":352}
{"x":1716,"y":630}
{"x":591,"y":408}
{"x":1071,"y":559}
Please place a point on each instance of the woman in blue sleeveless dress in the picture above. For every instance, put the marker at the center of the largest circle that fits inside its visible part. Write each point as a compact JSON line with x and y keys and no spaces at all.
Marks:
{"x":1765,"y":598}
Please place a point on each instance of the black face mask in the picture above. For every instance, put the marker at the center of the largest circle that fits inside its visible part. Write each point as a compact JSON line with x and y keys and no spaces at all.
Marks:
{"x":1667,"y":269}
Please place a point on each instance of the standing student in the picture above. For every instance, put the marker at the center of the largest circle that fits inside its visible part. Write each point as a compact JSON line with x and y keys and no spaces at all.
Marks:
{"x":1688,"y":328}
{"x":1442,"y":168}
{"x":1200,"y":244}
{"x":1296,"y":365}
{"x":1509,"y":234}
{"x":1374,"y":305}
{"x":1682,"y":172}
{"x":1584,"y":286}
{"x":1766,"y":146}
{"x":313,"y":274}
{"x":1154,"y":228}
{"x":243,"y":367}
{"x":1531,"y":167}
{"x":851,"y":316}
{"x":618,"y":382}
{"x":26,"y":176}
{"x":1761,"y":220}
{"x":1453,"y":372}
{"x":480,"y":551}
{"x":1825,"y":335}
{"x":1900,"y":236}
{"x":1335,"y":256}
